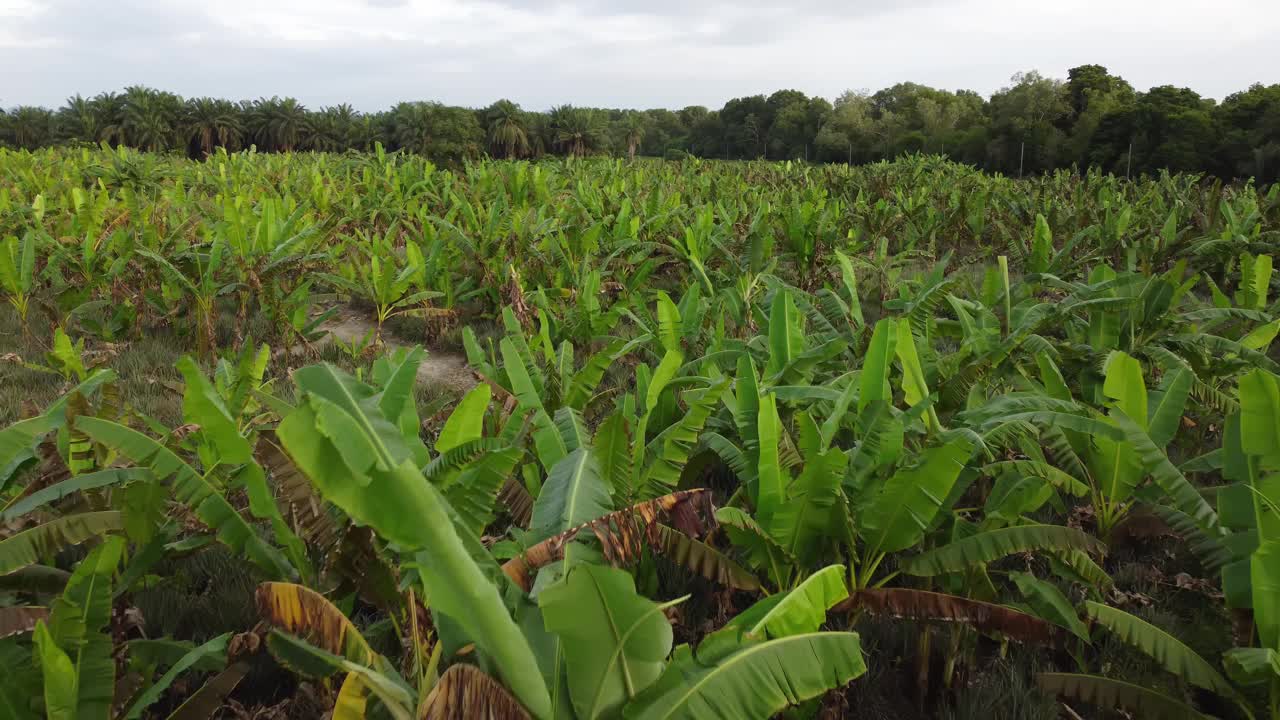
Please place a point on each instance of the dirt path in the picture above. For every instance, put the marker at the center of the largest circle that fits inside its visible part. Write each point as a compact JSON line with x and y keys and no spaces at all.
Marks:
{"x":439,"y":367}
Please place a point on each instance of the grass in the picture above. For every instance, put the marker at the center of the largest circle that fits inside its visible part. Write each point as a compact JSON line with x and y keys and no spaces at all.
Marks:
{"x":150,"y":384}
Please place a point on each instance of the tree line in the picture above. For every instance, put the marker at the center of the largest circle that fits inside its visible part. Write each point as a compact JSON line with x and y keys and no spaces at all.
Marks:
{"x":1035,"y":124}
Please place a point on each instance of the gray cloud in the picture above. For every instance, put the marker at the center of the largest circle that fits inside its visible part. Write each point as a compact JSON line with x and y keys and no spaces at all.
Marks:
{"x":620,"y":53}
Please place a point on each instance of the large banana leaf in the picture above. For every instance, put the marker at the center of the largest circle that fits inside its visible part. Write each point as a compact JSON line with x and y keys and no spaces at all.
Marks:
{"x":1165,"y":474}
{"x":733,"y":677}
{"x":60,"y":691}
{"x":813,"y":506}
{"x":702,"y":559}
{"x":190,"y":489}
{"x":398,"y":502}
{"x":572,"y":428}
{"x":1252,"y":666}
{"x":613,"y":448}
{"x":899,"y":514}
{"x":662,"y":377}
{"x":915,"y":389}
{"x":769,"y":486}
{"x":18,"y":441}
{"x":786,"y":333}
{"x":71,"y":486}
{"x":668,"y":322}
{"x":202,"y":406}
{"x":939,"y":607}
{"x":303,"y":657}
{"x":1167,"y":404}
{"x":77,"y":621}
{"x":798,"y":611}
{"x":615,"y":642}
{"x":574,"y":493}
{"x":546,"y":437}
{"x":27,"y":547}
{"x":473,"y":494}
{"x":1172,"y":654}
{"x":397,"y":375}
{"x":1049,"y":603}
{"x":211,"y":696}
{"x":1109,"y":694}
{"x":992,"y":545}
{"x":464,"y":691}
{"x":875,"y":365}
{"x":18,"y":444}
{"x":1124,"y":385}
{"x":1043,"y":470}
{"x":215,"y":648}
{"x":1264,"y":576}
{"x":1260,"y":413}
{"x":303,"y":612}
{"x":671,"y":448}
{"x":466,"y":422}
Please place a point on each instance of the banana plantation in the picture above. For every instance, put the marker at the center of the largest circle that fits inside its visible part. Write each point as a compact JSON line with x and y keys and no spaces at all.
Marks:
{"x":728,"y":440}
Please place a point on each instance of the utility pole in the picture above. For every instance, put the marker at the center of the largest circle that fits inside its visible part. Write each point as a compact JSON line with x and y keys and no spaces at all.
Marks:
{"x":850,"y":153}
{"x":1128,"y":161}
{"x":1022,"y":153}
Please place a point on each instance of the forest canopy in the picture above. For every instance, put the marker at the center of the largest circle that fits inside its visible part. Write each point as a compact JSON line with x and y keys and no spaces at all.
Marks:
{"x":1036,"y":123}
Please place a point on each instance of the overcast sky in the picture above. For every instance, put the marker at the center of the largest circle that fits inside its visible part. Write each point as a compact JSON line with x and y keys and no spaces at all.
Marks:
{"x":615,"y":53}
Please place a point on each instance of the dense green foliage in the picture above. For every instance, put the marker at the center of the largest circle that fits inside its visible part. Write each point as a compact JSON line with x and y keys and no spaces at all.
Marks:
{"x":728,"y":422}
{"x":1034,"y":125}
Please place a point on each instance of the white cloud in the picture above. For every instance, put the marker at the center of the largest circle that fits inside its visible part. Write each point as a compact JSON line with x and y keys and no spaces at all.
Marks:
{"x":636,"y":53}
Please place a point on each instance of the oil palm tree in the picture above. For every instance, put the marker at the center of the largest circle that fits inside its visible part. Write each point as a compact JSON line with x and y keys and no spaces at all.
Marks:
{"x":108,"y":108}
{"x":77,"y":120}
{"x":634,"y":126}
{"x":576,"y":130}
{"x":367,"y":131}
{"x":508,"y":136}
{"x":210,"y":122}
{"x":411,"y":123}
{"x":332,"y":128}
{"x":279,"y":124}
{"x":30,"y":127}
{"x":150,"y":118}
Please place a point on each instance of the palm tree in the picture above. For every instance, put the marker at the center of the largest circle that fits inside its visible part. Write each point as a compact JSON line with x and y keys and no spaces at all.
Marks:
{"x":367,"y":131}
{"x":150,"y":118}
{"x":278,"y":124}
{"x":210,"y":122}
{"x":77,"y":120}
{"x":411,"y":123}
{"x":507,"y":134}
{"x":333,"y":128}
{"x":634,"y":126}
{"x":30,"y":127}
{"x":108,"y":109}
{"x":576,"y":130}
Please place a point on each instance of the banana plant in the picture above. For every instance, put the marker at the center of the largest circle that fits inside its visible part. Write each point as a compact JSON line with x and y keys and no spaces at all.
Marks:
{"x":380,"y":485}
{"x":1113,"y":453}
{"x":266,"y":249}
{"x":201,"y":284}
{"x":224,"y":452}
{"x":1166,"y":650}
{"x":1253,"y":465}
{"x":383,"y":279}
{"x":17,"y":274}
{"x":72,"y":646}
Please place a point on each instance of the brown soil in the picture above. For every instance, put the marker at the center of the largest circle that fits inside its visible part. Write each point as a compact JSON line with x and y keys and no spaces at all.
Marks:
{"x":440,"y":367}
